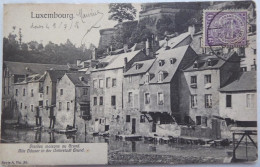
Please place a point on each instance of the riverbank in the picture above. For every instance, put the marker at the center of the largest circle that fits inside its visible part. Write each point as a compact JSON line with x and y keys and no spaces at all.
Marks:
{"x":127,"y":158}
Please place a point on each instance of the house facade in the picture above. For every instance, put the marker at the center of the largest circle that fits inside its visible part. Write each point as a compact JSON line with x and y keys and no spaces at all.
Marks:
{"x":159,"y":89}
{"x":72,"y":100}
{"x":107,"y":91}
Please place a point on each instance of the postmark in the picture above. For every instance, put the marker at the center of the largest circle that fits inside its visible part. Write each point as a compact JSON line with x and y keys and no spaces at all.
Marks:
{"x":225,"y":28}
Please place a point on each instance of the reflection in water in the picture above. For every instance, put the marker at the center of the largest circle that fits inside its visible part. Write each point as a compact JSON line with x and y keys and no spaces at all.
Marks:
{"x":38,"y":136}
{"x":133,"y":146}
{"x":52,"y":137}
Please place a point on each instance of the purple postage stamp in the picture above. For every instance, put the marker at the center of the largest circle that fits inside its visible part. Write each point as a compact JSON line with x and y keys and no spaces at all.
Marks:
{"x":225,"y":28}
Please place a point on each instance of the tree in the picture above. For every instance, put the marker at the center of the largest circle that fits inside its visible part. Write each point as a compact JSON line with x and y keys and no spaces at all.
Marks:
{"x":24,"y":47}
{"x":121,"y":11}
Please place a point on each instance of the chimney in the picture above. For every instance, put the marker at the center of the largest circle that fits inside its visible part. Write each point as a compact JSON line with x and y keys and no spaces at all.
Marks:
{"x":94,"y":53}
{"x":78,"y":62}
{"x":125,"y":60}
{"x":191,"y":30}
{"x":125,"y":48}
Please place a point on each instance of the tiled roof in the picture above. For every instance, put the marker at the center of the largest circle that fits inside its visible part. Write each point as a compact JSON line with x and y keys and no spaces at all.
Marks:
{"x":202,"y":62}
{"x":177,"y":54}
{"x":246,"y":81}
{"x":144,"y":66}
{"x":76,"y":78}
{"x":116,"y":61}
{"x":20,"y":68}
{"x":56,"y":74}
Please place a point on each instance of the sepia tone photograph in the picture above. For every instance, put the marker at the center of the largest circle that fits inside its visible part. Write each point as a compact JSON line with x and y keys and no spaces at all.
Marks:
{"x":160,"y":83}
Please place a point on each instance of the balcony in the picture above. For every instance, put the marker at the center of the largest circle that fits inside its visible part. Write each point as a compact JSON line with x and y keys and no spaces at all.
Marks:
{"x":193,"y":85}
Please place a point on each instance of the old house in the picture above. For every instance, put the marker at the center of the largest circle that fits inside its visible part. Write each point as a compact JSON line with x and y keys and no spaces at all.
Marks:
{"x":28,"y":96}
{"x":49,"y":95}
{"x":72,"y":100}
{"x":107,"y":90}
{"x":15,"y":72}
{"x":237,"y":99}
{"x":199,"y":91}
{"x":134,"y":121}
{"x":159,"y":88}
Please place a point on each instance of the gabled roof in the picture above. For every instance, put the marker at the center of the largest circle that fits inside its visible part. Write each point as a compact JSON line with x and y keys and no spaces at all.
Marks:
{"x":246,"y":81}
{"x":170,"y":69}
{"x":75,"y":78}
{"x":19,"y":68}
{"x":202,"y":59}
{"x":173,"y":41}
{"x":116,"y":61}
{"x":144,"y":67}
{"x":56,"y":74}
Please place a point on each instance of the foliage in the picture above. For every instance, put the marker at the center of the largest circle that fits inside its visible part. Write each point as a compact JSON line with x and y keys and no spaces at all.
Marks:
{"x":121,"y":11}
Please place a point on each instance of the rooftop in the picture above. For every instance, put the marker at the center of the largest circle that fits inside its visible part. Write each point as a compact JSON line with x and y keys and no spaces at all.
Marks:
{"x":140,"y":67}
{"x":246,"y":81}
{"x":19,"y":68}
{"x":56,"y":74}
{"x":79,"y":78}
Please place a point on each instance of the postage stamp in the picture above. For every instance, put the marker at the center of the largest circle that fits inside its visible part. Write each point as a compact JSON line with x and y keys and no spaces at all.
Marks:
{"x":225,"y":28}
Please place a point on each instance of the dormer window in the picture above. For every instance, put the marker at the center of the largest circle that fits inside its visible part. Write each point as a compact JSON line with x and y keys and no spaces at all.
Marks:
{"x":195,"y":65}
{"x":161,"y":62}
{"x":209,"y":62}
{"x":162,"y":75}
{"x":138,"y":66}
{"x":147,"y":78}
{"x":172,"y":60}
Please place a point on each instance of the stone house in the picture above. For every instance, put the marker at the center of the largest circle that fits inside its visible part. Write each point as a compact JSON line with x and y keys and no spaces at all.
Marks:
{"x":15,"y":72}
{"x":28,"y":96}
{"x":49,"y":94}
{"x":72,"y":100}
{"x":134,"y":121}
{"x":159,"y":88}
{"x":107,"y":90}
{"x":201,"y":82}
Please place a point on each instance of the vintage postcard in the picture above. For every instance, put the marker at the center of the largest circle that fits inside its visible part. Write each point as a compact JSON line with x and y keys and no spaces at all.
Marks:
{"x":129,"y":83}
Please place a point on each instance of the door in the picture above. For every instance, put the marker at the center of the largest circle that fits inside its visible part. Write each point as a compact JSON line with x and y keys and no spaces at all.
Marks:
{"x":216,"y":129}
{"x":133,"y":126}
{"x":154,"y":127}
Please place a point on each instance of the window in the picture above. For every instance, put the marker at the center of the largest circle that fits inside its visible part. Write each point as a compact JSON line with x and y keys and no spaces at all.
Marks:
{"x":68,"y":105}
{"x":193,"y":101}
{"x":47,"y":89}
{"x":47,"y":103}
{"x":147,"y":78}
{"x":204,"y":121}
{"x":85,"y":91}
{"x":130,"y":98}
{"x":31,"y":108}
{"x":60,"y":106}
{"x":243,"y":69}
{"x":21,"y":106}
{"x":147,"y":98}
{"x":142,"y":118}
{"x":101,"y":100}
{"x":195,"y":65}
{"x":160,"y":99}
{"x":160,"y":77}
{"x":31,"y":92}
{"x":209,"y":62}
{"x":207,"y":79}
{"x":193,"y":79}
{"x":198,"y":120}
{"x":114,"y":82}
{"x":16,"y":92}
{"x":250,"y":100}
{"x":101,"y":83}
{"x":208,"y":101}
{"x":95,"y":101}
{"x":130,"y":78}
{"x":172,"y":60}
{"x":113,"y":100}
{"x":254,"y":51}
{"x":228,"y":101}
{"x":61,"y":92}
{"x":128,"y":118}
{"x":161,"y":62}
{"x":95,"y":84}
{"x":108,"y":80}
{"x":23,"y":92}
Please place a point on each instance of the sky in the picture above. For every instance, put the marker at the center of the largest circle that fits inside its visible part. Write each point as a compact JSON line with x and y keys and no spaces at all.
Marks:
{"x":57,"y":30}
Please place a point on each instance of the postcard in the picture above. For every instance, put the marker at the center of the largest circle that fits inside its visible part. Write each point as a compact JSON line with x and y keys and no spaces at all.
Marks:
{"x":129,"y":83}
